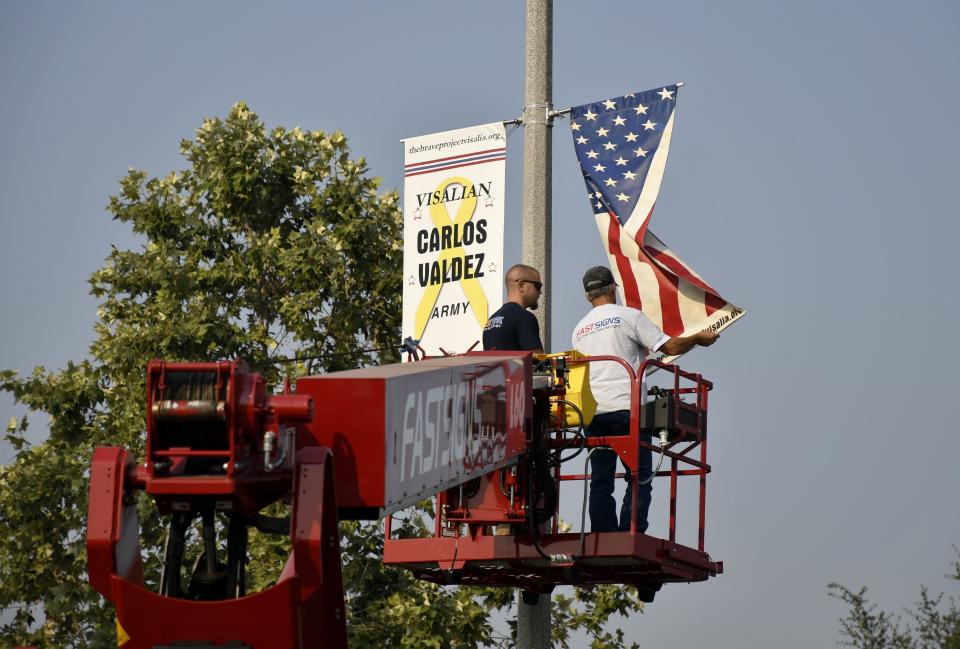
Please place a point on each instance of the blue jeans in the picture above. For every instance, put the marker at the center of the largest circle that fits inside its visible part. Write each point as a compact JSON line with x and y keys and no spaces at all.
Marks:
{"x":603,"y":467}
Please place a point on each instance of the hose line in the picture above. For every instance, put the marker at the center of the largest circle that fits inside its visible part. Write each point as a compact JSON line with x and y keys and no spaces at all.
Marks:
{"x":663,"y":447}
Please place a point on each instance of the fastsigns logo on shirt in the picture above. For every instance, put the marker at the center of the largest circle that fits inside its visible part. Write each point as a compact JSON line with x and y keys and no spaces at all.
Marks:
{"x":599,"y":325}
{"x":494,"y":323}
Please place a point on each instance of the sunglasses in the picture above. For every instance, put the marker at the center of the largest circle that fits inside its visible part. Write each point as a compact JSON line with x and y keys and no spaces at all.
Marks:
{"x":536,"y":285}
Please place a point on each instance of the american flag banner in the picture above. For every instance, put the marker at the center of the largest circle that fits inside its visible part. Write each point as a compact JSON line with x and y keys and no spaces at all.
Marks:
{"x":622,"y":145}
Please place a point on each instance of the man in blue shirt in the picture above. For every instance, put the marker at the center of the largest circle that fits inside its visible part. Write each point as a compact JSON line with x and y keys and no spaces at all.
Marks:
{"x":513,"y":327}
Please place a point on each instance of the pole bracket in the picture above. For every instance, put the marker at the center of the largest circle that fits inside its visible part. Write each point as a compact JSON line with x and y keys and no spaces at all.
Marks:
{"x":538,"y":114}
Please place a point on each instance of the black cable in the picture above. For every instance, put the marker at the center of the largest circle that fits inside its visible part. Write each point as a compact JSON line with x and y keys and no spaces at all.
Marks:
{"x":315,"y":357}
{"x":409,"y":346}
{"x":579,"y":435}
{"x":271,"y":524}
{"x":583,"y":444}
{"x":539,"y":479}
{"x":534,"y":525}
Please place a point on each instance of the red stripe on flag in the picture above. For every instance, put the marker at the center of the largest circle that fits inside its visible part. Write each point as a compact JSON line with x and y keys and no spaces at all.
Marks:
{"x":713,"y":303}
{"x":678,"y":269}
{"x":643,"y":226}
{"x":712,"y":300}
{"x":667,"y":289}
{"x":630,"y":291}
{"x":669,"y":302}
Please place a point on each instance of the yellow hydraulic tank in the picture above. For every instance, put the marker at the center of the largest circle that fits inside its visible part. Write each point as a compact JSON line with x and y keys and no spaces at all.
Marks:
{"x":578,"y":390}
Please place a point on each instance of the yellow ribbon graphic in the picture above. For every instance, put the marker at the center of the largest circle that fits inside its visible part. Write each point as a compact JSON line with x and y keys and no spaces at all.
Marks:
{"x":471,"y":287}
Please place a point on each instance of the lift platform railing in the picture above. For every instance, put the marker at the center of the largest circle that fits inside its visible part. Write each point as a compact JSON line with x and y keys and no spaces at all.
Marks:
{"x":482,"y":533}
{"x":672,"y":412}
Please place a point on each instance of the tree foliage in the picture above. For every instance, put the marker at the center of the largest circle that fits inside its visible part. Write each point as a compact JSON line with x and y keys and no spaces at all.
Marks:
{"x":589,"y":610}
{"x":267,"y":244}
{"x":933,"y":622}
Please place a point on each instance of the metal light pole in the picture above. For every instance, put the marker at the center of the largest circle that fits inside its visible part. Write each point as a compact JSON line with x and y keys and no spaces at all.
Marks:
{"x":533,"y":621}
{"x":538,"y":150}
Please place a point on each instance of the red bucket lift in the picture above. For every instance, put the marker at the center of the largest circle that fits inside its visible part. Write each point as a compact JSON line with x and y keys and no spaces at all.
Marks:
{"x":476,"y":433}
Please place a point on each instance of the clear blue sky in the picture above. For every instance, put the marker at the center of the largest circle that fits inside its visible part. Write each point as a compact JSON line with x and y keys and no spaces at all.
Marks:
{"x":811,"y":180}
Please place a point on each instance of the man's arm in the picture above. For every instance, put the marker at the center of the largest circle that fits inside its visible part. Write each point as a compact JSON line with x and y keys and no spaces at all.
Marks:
{"x":528,"y":333}
{"x":681,"y":345}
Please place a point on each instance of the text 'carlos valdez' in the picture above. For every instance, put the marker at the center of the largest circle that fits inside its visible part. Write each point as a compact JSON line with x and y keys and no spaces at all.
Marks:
{"x":465,"y":266}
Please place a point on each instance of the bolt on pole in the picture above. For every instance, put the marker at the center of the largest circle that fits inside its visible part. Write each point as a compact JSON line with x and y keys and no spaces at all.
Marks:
{"x":533,"y":621}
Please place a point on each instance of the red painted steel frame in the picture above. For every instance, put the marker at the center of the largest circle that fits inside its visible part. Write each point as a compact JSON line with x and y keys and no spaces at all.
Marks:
{"x":304,"y":608}
{"x":482,"y":557}
{"x":242,"y":415}
{"x":386,"y":424}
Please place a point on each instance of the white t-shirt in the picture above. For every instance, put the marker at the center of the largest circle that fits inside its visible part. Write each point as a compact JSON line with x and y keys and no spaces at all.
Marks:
{"x":615,"y":330}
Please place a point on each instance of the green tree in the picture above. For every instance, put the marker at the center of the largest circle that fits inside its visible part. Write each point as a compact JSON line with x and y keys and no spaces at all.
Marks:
{"x":933,"y":622}
{"x":268,"y":244}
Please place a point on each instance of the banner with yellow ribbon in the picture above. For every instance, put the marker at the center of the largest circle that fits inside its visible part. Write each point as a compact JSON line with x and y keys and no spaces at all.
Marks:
{"x":453,"y":236}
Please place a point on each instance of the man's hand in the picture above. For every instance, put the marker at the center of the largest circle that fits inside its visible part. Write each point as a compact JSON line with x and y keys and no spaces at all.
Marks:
{"x":676,"y":346}
{"x":707,"y":337}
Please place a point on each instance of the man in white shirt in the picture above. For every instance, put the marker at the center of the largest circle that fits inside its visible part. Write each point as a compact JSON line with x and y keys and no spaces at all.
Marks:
{"x":610,"y":329}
